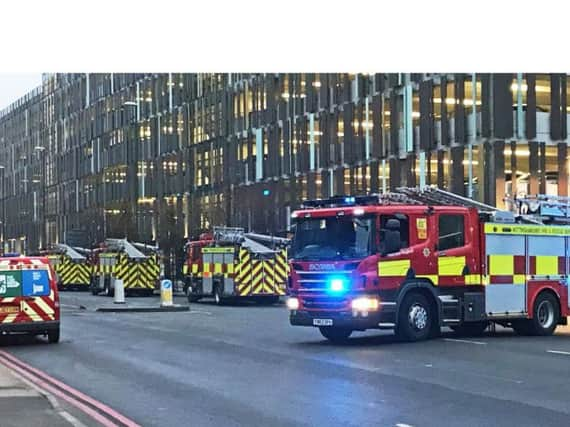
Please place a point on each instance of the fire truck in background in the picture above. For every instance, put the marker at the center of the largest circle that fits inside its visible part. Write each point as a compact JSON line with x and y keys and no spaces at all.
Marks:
{"x":416,"y":260}
{"x":72,"y":268}
{"x":139,"y":266}
{"x":230,"y":263}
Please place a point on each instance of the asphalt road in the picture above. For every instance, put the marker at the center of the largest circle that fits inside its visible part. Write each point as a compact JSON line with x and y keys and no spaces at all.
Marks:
{"x":245,"y":366}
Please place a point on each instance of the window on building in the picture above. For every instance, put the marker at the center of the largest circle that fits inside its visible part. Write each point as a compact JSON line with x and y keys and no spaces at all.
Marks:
{"x":542,"y":93}
{"x":451,"y":232}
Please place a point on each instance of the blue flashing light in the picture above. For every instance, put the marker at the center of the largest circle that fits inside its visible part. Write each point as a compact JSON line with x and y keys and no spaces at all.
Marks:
{"x":349,"y":200}
{"x":336,"y":284}
{"x":266,"y":192}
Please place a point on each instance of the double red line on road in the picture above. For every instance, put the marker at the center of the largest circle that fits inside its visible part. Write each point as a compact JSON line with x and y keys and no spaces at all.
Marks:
{"x":100,"y":412}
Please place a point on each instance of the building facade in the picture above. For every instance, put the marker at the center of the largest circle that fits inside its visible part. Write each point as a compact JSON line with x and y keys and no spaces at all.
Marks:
{"x":161,"y":157}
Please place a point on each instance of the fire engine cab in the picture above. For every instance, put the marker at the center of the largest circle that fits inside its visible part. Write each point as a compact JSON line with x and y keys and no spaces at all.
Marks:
{"x":416,"y":260}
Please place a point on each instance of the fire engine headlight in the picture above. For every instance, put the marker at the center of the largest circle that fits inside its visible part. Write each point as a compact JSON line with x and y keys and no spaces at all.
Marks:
{"x":337,"y":284}
{"x":293,"y":303}
{"x":365,"y":304}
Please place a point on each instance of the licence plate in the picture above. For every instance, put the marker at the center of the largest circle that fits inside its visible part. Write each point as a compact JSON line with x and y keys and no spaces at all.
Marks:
{"x":10,"y":309}
{"x":322,"y":322}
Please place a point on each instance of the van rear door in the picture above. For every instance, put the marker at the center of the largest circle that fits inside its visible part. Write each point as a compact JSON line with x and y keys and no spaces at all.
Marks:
{"x":36,"y":292}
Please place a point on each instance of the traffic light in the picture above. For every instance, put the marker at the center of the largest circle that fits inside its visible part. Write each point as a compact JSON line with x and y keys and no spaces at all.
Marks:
{"x":266,"y":192}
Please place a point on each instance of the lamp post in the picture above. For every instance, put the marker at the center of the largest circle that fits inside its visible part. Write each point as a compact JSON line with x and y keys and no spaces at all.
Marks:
{"x":3,"y":198}
{"x":40,"y":151}
{"x":137,"y":153}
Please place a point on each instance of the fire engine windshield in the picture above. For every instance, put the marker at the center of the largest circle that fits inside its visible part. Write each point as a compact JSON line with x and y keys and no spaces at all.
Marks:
{"x":333,"y":238}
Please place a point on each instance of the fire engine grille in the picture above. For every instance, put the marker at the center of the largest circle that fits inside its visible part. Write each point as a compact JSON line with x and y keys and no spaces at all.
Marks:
{"x":324,"y":303}
{"x":314,"y":281}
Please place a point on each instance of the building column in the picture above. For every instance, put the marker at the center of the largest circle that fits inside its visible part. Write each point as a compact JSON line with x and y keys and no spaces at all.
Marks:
{"x":562,"y":169}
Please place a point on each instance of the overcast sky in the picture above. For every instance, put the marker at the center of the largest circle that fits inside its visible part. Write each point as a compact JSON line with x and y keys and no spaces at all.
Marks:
{"x":16,"y":85}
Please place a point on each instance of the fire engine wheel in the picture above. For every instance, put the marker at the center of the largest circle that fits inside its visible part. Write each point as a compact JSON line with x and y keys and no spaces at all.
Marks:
{"x":545,"y":315}
{"x":415,"y":318}
{"x":108,"y":291}
{"x":335,"y":335}
{"x":218,"y":297}
{"x":53,"y":336}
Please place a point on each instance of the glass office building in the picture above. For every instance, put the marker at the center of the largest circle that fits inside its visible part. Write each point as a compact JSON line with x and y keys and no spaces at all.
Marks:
{"x":162,"y":157}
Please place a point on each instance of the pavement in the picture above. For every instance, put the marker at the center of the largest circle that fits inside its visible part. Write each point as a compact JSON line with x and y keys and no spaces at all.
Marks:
{"x":23,"y":405}
{"x":244,"y":365}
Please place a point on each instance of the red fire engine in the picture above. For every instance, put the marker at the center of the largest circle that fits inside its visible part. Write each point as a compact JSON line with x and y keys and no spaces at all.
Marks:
{"x":416,"y":260}
{"x":230,"y":263}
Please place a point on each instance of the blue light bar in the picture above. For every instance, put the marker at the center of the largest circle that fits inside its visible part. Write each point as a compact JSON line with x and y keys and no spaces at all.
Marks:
{"x":337,"y":285}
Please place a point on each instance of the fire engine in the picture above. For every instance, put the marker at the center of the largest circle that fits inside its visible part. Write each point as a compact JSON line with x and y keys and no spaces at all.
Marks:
{"x":230,"y":263}
{"x":124,"y":260}
{"x":29,"y":300}
{"x":418,"y":259}
{"x":72,"y":268}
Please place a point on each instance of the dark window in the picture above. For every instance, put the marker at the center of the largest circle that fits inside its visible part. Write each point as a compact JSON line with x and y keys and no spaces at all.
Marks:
{"x":451,"y":232}
{"x":404,"y":227}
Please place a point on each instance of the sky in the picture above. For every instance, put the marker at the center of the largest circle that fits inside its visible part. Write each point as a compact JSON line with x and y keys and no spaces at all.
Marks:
{"x":15,"y":85}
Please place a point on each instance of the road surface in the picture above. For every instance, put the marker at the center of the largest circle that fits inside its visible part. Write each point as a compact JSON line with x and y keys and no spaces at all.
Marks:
{"x":245,"y":366}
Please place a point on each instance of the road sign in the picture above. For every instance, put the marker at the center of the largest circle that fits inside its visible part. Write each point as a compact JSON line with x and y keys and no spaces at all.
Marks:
{"x":166,"y":292}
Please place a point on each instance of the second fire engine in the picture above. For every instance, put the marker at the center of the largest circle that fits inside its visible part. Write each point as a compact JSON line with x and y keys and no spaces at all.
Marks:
{"x":230,"y":263}
{"x":417,"y":260}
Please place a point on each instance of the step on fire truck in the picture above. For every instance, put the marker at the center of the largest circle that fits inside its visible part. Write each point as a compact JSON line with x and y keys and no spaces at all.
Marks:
{"x":416,"y":260}
{"x":230,"y":263}
{"x":139,"y":266}
{"x":72,"y":268}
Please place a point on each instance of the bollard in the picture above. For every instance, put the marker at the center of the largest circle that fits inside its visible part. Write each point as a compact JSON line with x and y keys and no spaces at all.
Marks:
{"x":119,"y":291}
{"x":165,"y":293}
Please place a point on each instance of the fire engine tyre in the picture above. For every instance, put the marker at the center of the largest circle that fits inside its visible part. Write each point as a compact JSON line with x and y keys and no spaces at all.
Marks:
{"x":108,"y":291}
{"x":335,"y":335}
{"x":546,"y":314}
{"x":415,"y":318}
{"x":218,"y":297}
{"x":53,"y":336}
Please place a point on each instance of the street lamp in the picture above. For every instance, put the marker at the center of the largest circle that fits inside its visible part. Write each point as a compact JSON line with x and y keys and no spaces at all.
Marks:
{"x":137,"y":152}
{"x":3,"y":230}
{"x":40,"y":151}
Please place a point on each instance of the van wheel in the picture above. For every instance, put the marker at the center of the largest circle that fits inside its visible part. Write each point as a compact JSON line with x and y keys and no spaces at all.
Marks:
{"x":335,"y":335}
{"x":53,"y":336}
{"x":546,"y":314}
{"x":415,"y":318}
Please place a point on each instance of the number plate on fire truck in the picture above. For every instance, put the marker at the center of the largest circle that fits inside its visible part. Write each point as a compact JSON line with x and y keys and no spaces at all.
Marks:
{"x":322,"y":322}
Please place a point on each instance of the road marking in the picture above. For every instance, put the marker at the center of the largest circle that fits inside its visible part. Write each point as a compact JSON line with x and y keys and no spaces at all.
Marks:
{"x":403,"y":425}
{"x":207,"y":313}
{"x":465,"y":341}
{"x":74,"y":397}
{"x":566,"y":353}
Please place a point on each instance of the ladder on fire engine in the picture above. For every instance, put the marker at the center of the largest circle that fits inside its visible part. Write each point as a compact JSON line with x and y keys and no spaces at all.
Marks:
{"x":435,"y":196}
{"x":70,"y":252}
{"x":126,"y":246}
{"x":541,"y":207}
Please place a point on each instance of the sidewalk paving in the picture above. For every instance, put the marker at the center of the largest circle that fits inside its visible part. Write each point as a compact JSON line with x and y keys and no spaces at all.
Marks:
{"x":21,"y":405}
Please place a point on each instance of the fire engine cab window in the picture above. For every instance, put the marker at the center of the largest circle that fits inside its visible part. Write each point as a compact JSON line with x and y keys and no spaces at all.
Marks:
{"x":451,"y":232}
{"x":333,"y":238}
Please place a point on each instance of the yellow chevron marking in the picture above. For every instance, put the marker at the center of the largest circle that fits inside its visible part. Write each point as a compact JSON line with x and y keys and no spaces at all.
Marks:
{"x":44,"y":307}
{"x":30,"y":312}
{"x":10,"y":318}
